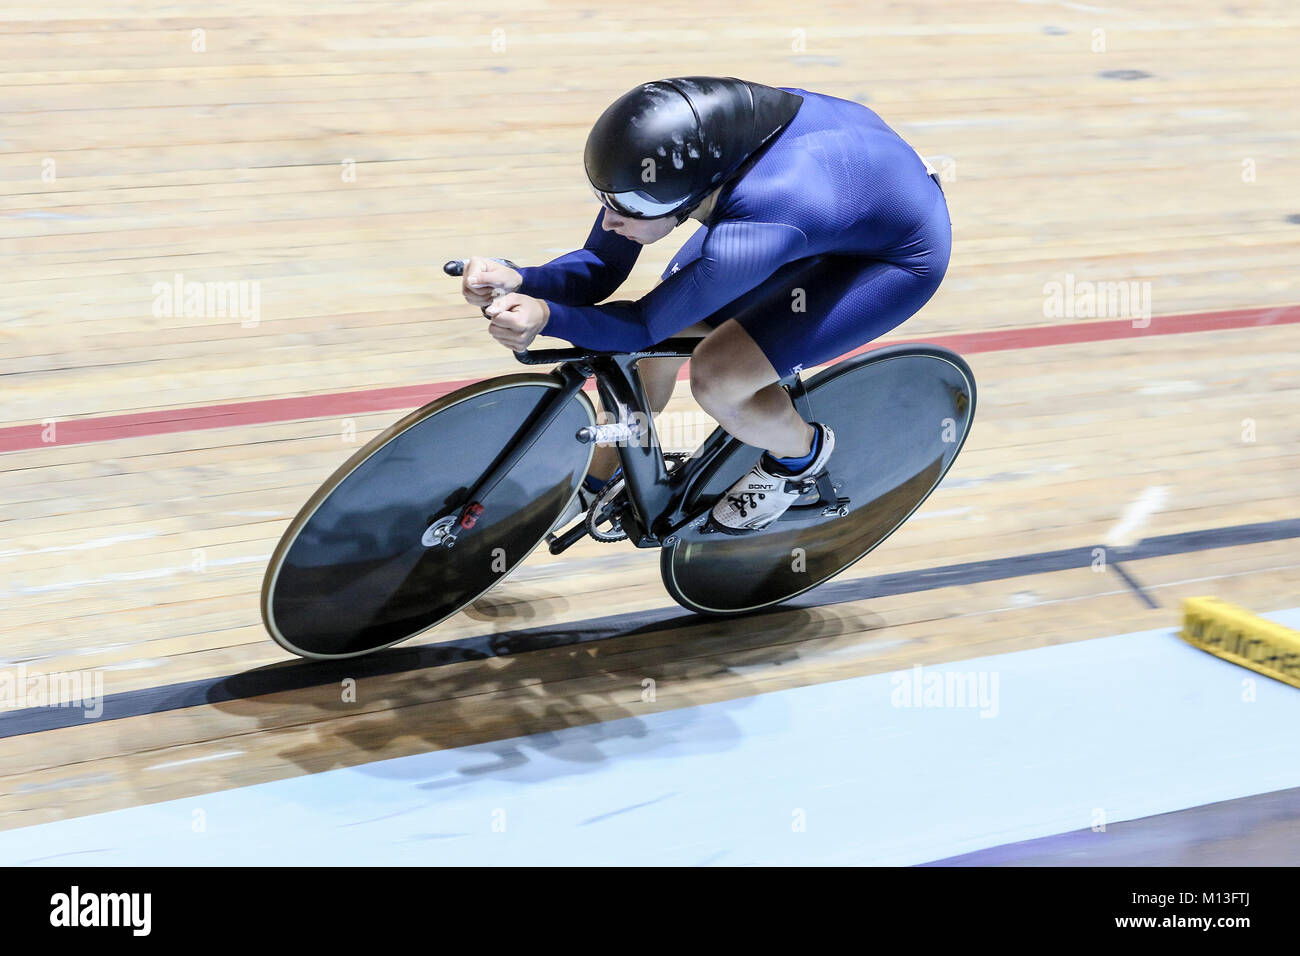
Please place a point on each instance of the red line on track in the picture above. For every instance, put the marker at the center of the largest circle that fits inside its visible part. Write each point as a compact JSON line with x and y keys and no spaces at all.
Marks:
{"x":164,"y":421}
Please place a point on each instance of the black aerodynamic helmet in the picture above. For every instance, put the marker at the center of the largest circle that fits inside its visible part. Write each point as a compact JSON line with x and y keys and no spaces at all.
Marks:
{"x":663,"y":147}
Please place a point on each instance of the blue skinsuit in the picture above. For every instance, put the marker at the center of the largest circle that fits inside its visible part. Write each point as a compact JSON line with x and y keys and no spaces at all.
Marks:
{"x":833,"y":236}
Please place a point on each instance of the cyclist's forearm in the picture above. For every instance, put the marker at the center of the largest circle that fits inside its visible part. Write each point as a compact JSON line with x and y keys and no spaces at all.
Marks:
{"x":587,"y":275}
{"x":612,"y":327}
{"x":576,"y":278}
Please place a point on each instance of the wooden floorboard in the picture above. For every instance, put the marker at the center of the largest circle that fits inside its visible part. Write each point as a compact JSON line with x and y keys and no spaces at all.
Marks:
{"x":128,"y":158}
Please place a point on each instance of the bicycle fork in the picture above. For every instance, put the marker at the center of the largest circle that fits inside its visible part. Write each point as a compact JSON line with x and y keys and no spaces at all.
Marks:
{"x":443,"y":531}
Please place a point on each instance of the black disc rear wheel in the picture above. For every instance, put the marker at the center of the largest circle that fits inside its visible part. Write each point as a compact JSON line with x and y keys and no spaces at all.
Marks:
{"x":900,"y":416}
{"x":351,"y":575}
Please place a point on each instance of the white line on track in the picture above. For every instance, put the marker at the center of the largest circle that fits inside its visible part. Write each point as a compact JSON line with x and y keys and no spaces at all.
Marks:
{"x":144,"y":575}
{"x":80,"y":545}
{"x":181,"y":763}
{"x":1072,"y":6}
{"x":1148,"y":503}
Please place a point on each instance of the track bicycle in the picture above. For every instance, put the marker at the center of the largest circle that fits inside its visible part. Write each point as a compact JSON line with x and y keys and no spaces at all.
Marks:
{"x":442,"y":505}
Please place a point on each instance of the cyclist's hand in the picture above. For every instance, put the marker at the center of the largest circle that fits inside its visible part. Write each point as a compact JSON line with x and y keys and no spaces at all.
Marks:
{"x":484,"y":279}
{"x":516,"y":320}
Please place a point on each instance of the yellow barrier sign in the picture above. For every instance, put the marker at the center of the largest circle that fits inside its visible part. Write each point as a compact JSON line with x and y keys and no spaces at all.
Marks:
{"x":1236,"y":635}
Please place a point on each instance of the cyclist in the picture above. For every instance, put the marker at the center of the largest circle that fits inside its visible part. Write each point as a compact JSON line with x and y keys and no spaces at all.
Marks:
{"x":822,"y":229}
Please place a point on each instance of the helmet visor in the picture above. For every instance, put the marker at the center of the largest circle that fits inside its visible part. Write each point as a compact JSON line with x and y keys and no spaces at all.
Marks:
{"x":636,"y":205}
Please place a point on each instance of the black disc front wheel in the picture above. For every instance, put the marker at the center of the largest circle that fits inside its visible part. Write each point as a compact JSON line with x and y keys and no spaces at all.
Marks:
{"x":351,"y":573}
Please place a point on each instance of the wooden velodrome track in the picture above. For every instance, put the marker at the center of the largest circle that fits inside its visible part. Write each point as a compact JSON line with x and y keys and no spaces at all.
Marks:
{"x":336,"y":154}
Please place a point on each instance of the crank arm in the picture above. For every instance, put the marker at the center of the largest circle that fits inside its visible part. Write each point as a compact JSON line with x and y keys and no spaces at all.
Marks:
{"x":558,"y":544}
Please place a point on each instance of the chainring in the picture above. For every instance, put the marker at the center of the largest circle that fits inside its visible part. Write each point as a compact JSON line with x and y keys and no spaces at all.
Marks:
{"x":602,"y":520}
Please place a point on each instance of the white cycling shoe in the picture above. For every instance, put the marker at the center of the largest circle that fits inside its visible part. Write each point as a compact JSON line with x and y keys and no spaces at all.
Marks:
{"x":758,"y":499}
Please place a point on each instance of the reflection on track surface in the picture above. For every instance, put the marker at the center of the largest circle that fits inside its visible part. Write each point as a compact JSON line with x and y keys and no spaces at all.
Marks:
{"x":864,"y":770}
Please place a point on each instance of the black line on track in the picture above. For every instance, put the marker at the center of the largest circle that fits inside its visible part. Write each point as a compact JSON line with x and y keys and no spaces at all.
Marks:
{"x":298,"y":675}
{"x":1131,"y":581}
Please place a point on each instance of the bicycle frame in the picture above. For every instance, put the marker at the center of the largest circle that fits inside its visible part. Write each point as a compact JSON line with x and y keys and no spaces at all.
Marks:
{"x":658,"y":501}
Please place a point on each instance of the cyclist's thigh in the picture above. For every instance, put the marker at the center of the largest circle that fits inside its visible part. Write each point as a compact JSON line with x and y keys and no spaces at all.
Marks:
{"x":833,"y":305}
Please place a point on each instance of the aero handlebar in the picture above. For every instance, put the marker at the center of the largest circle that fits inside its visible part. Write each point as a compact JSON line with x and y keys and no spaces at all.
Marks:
{"x":677,"y":348}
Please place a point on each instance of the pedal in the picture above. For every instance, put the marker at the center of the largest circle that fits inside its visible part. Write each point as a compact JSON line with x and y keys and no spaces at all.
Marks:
{"x":801,"y":485}
{"x":840,"y":509}
{"x":558,"y":544}
{"x":828,"y":488}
